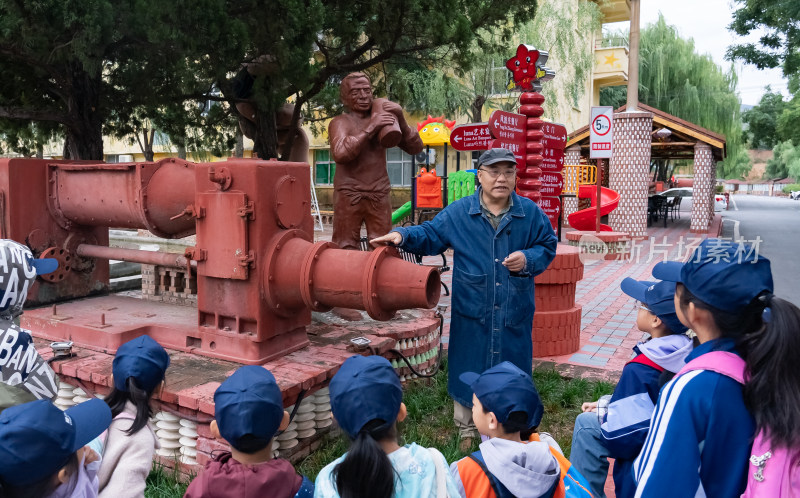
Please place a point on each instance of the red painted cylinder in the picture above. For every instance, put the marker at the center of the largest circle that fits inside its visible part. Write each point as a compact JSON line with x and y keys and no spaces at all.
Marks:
{"x":153,"y":196}
{"x":321,"y":276}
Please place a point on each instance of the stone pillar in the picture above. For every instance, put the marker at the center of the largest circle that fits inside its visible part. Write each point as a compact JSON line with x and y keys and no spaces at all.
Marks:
{"x":629,"y":167}
{"x":703,"y":188}
{"x":571,"y":156}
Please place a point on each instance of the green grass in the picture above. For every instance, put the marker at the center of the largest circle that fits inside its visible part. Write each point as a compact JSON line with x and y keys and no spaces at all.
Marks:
{"x":430,"y":423}
{"x":164,"y":483}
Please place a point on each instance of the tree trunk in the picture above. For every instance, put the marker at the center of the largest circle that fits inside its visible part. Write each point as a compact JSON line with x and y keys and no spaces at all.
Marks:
{"x":181,"y":151}
{"x":238,"y":150}
{"x":84,"y":133}
{"x":477,"y":108}
{"x":265,"y":143}
{"x":39,"y":151}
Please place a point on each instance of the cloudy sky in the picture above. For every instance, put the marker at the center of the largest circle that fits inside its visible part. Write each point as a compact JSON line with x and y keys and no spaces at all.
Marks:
{"x":707,"y":22}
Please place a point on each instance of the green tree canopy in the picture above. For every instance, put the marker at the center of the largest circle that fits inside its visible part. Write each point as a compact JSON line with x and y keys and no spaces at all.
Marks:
{"x":779,"y":45}
{"x":102,"y":66}
{"x":762,"y":120}
{"x":675,"y":78}
{"x":785,"y":162}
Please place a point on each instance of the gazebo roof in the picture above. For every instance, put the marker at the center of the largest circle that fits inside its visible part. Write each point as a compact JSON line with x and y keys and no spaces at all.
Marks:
{"x":677,"y":144}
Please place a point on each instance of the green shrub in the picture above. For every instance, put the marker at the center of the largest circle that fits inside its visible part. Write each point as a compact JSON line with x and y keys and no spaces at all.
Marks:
{"x":791,"y":187}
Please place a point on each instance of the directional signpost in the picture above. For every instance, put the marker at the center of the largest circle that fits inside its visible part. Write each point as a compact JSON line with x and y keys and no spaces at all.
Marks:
{"x":509,"y":131}
{"x":551,"y":207}
{"x":471,"y":137}
{"x":555,"y":136}
{"x":552,"y":184}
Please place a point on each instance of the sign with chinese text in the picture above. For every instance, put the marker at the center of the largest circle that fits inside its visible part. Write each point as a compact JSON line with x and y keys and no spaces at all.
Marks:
{"x":508,"y":126}
{"x":554,"y":136}
{"x":517,"y":148}
{"x":551,"y":207}
{"x":474,"y":136}
{"x":552,"y":184}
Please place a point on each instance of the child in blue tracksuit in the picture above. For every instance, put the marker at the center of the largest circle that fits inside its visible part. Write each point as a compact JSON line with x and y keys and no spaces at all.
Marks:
{"x":620,"y":433}
{"x":701,"y":432}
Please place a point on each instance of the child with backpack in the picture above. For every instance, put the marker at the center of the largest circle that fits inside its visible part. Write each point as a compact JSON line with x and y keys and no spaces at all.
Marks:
{"x":367,"y":402}
{"x":505,"y":403}
{"x":248,"y":413}
{"x":43,"y":452}
{"x":138,"y":372}
{"x":620,"y":433}
{"x":705,"y":420}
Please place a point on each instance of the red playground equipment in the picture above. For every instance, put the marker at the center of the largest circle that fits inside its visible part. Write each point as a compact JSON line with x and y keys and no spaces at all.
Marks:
{"x":585,"y":219}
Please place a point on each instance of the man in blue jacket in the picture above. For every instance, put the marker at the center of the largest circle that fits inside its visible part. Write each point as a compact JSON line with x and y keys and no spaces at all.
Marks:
{"x":500,"y":241}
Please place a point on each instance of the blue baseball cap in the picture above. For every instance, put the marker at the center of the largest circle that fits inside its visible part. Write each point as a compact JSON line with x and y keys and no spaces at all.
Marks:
{"x":248,"y":402}
{"x":504,"y":389}
{"x":659,"y":297}
{"x":721,"y":273}
{"x":364,"y":389}
{"x":143,"y":359}
{"x":37,"y":439}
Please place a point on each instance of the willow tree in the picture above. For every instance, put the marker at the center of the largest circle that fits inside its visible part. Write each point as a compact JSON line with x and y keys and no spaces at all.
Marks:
{"x":675,"y":78}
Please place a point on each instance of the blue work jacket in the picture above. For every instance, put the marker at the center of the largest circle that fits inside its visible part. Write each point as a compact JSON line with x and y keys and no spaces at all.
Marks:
{"x":492,"y":309}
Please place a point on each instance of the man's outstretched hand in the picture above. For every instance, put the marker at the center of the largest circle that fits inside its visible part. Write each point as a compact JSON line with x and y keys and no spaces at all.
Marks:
{"x":391,"y":238}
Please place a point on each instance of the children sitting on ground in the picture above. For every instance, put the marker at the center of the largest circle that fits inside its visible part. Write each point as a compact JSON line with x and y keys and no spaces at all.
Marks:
{"x":43,"y":452}
{"x":700,"y":437}
{"x":620,"y":433}
{"x":367,"y":402}
{"x":504,"y":404}
{"x":138,"y":372}
{"x":248,"y":411}
{"x":24,"y":375}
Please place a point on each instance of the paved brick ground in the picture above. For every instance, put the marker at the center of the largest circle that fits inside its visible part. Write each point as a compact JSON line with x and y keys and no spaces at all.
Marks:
{"x":608,"y":324}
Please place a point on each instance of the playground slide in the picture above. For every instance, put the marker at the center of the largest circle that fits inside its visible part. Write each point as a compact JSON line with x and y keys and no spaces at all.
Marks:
{"x":585,"y":219}
{"x":401,"y":212}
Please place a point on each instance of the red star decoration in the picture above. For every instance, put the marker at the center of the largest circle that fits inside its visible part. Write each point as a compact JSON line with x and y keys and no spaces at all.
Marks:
{"x":523,"y":67}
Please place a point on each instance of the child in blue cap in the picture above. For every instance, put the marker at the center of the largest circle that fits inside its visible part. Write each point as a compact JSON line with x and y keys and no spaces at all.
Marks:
{"x":504,"y":404}
{"x":248,"y":411}
{"x":704,"y":422}
{"x":43,"y":452}
{"x":138,"y":372}
{"x":620,"y":433}
{"x":367,"y":401}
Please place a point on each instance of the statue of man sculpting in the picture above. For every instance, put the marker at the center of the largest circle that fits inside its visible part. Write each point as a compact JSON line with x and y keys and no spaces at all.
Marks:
{"x":359,"y":138}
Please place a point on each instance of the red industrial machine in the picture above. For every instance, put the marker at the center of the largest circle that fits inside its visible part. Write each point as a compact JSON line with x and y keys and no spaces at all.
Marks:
{"x":258,"y":272}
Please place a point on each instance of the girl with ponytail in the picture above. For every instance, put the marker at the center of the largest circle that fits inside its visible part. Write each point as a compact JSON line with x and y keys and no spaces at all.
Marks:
{"x":367,"y":402}
{"x":129,"y":444}
{"x":706,"y":419}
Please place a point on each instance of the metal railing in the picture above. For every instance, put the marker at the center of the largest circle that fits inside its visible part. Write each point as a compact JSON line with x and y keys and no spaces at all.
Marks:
{"x":612,"y":41}
{"x":576,"y":175}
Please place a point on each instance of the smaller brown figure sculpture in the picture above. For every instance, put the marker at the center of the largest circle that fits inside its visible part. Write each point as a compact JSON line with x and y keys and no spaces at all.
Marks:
{"x":243,"y":88}
{"x":359,"y":139}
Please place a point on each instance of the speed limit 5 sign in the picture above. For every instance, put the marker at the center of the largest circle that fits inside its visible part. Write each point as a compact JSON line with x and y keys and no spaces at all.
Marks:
{"x":601,"y":132}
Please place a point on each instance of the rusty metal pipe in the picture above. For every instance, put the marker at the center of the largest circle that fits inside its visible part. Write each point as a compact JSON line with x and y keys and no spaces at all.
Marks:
{"x":153,"y":196}
{"x":168,"y":259}
{"x":322,"y":276}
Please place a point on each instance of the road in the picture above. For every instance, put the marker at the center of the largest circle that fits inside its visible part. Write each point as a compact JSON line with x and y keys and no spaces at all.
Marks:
{"x":777,"y":221}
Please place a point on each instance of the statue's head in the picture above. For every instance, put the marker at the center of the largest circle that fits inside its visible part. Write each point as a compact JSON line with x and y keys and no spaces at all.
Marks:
{"x":356,"y":92}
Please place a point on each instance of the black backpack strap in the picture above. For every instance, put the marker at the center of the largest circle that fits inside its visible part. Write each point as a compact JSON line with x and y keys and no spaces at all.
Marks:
{"x":499,"y":489}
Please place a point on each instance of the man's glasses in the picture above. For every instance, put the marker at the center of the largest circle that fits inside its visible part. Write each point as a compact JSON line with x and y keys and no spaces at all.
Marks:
{"x":493,"y":173}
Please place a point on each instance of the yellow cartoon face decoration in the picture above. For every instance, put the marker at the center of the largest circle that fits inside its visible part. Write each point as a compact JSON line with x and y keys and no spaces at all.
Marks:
{"x":435,"y":131}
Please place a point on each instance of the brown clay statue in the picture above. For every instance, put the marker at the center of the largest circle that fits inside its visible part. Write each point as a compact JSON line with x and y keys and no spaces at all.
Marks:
{"x":359,"y":138}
